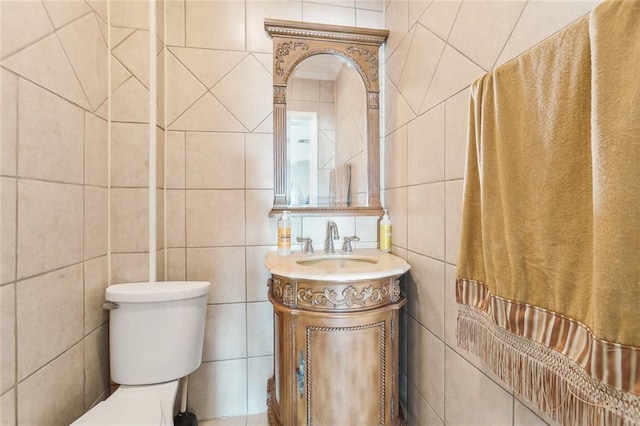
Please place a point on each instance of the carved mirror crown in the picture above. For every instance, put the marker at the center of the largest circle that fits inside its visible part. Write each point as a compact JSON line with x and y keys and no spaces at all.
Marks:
{"x":293,"y":42}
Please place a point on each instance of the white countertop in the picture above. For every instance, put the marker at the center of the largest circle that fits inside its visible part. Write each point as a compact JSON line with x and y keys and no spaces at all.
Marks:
{"x":362,"y":264}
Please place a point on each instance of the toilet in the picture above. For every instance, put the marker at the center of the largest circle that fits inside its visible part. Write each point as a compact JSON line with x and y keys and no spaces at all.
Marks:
{"x":156,"y":335}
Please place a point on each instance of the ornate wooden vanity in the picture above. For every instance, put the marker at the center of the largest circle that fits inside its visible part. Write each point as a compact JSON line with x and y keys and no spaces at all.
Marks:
{"x":335,"y":351}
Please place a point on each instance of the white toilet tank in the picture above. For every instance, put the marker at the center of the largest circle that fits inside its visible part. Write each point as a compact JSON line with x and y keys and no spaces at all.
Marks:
{"x":156,"y":330}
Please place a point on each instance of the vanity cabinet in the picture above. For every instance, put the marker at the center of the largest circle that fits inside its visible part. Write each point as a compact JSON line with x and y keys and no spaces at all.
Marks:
{"x":335,"y":352}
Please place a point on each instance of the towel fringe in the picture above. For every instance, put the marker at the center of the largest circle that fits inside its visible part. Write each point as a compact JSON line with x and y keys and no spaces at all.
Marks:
{"x":554,"y":383}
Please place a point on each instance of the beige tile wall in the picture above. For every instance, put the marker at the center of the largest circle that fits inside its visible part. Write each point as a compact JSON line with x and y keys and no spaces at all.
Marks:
{"x":54,"y":191}
{"x":435,"y":51}
{"x":129,"y":141}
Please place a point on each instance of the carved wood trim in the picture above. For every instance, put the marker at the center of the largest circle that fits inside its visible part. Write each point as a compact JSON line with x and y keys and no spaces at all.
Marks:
{"x":283,"y":291}
{"x":334,"y":297}
{"x":284,"y":28}
{"x":283,"y":49}
{"x":370,"y":56}
{"x":280,"y":148}
{"x":276,"y":211}
{"x":273,"y":410}
{"x":369,"y":75}
{"x":279,"y":94}
{"x":373,"y":100}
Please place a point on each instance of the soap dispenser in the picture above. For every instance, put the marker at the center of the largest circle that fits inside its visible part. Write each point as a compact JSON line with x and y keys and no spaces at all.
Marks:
{"x":284,"y":234}
{"x":385,"y":233}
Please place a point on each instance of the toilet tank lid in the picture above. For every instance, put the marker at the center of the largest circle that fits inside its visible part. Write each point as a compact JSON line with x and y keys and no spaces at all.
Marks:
{"x":161,"y":291}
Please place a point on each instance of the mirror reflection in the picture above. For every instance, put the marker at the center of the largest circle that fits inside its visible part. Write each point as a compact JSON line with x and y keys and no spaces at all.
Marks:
{"x":326,"y":134}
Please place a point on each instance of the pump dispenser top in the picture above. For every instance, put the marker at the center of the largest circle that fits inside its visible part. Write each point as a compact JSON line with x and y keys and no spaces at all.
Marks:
{"x":284,"y":234}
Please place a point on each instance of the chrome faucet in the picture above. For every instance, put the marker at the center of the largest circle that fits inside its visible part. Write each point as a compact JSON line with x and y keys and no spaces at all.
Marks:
{"x":332,"y":234}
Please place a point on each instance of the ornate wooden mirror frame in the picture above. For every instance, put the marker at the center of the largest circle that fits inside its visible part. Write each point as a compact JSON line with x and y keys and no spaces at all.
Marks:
{"x":292,"y":43}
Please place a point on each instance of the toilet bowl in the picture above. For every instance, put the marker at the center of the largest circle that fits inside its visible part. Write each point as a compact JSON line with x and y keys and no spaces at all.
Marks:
{"x":156,"y":335}
{"x":136,"y":406}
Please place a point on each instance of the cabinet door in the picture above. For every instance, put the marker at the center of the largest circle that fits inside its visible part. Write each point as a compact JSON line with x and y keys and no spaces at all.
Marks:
{"x":346,"y":364}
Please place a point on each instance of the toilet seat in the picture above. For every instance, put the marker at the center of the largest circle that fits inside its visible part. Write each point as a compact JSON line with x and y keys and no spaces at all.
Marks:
{"x":145,"y":405}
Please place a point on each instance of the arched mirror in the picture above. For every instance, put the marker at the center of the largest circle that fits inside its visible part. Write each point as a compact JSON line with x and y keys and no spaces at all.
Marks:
{"x":326,"y":118}
{"x":326,"y":134}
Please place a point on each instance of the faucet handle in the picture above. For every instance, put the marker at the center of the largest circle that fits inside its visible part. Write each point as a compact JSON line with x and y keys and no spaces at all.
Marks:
{"x":347,"y":243}
{"x":307,"y":246}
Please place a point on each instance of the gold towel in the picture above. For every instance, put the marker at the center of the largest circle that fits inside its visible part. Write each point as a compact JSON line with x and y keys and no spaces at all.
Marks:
{"x":549,"y":268}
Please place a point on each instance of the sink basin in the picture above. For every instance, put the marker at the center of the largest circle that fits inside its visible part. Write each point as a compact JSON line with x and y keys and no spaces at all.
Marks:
{"x":341,"y":262}
{"x":361,"y":265}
